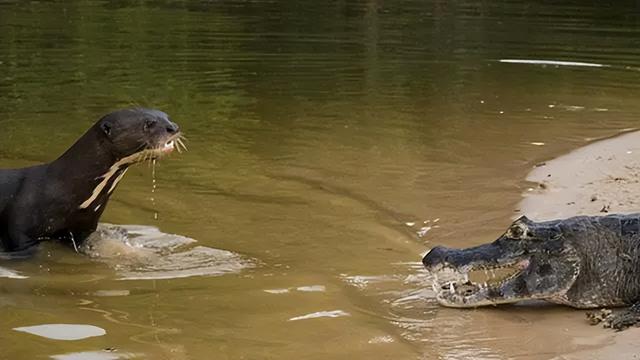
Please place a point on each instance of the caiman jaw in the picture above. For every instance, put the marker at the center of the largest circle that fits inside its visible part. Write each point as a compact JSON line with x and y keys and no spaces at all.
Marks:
{"x":478,"y":284}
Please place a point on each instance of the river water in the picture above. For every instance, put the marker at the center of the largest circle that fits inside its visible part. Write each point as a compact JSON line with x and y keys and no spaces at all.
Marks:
{"x":330,"y":145}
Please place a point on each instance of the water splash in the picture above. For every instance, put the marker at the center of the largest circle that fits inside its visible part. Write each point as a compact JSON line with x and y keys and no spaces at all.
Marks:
{"x":11,"y":274}
{"x":139,"y":252}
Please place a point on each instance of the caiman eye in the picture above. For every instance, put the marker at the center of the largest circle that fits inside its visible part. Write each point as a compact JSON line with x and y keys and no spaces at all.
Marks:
{"x":515,"y":232}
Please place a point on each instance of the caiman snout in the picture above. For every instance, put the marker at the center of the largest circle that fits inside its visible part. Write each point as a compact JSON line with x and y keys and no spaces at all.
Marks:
{"x":437,"y":255}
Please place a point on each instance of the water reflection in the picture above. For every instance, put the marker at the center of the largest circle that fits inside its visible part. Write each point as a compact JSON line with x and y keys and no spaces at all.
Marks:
{"x":63,"y":331}
{"x":94,"y":355}
{"x":317,"y":131}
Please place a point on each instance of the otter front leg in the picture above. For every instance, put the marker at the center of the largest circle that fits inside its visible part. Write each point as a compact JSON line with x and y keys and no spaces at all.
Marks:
{"x":618,"y":320}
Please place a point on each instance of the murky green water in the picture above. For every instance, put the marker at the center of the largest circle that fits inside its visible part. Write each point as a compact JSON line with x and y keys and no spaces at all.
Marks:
{"x":317,"y":131}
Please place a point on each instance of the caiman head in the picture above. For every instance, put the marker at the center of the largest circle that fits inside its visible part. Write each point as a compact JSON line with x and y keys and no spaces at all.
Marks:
{"x":529,"y":261}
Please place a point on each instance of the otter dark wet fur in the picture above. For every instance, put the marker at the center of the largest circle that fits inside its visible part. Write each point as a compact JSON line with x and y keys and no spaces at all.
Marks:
{"x":64,"y":199}
{"x":584,"y":262}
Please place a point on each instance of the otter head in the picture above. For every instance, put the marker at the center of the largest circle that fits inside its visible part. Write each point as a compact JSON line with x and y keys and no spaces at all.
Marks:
{"x":127,"y":136}
{"x":139,"y":134}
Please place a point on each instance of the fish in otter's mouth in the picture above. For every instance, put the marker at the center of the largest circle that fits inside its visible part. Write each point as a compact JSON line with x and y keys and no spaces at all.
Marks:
{"x":166,"y":146}
{"x":151,"y":152}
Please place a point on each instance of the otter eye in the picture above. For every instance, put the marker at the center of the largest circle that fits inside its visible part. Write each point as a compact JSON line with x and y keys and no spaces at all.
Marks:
{"x":106,"y":127}
{"x":149,"y":123}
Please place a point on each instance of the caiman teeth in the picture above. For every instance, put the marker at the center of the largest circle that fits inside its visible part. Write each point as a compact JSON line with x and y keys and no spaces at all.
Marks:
{"x":463,"y":286}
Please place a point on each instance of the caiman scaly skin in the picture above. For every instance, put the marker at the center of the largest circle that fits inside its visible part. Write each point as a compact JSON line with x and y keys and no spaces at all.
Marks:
{"x":585,"y":262}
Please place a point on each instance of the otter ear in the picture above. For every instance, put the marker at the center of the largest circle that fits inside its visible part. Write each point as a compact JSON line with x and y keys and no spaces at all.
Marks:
{"x":106,"y":128}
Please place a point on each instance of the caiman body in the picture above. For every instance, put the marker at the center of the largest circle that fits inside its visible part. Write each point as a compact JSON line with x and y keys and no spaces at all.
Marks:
{"x":585,"y":262}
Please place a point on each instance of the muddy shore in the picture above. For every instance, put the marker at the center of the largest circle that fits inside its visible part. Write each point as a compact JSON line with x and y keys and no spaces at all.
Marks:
{"x":598,"y":179}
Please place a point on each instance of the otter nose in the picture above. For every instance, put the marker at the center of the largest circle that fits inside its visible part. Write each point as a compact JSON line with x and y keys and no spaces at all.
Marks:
{"x":437,"y":255}
{"x":172,"y":128}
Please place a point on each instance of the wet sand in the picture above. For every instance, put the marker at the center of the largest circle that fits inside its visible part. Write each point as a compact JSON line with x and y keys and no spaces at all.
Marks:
{"x":598,"y":179}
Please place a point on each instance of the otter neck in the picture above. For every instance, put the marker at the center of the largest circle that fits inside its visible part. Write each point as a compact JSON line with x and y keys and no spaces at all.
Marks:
{"x":90,"y":156}
{"x":91,"y":168}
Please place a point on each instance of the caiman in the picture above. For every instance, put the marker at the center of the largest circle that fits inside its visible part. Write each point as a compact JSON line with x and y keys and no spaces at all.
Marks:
{"x":585,"y":262}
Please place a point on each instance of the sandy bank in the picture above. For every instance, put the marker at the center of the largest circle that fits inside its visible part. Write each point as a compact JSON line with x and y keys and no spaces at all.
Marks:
{"x":600,"y":178}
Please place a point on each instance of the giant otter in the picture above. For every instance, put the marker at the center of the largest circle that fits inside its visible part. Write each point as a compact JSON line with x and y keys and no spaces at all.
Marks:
{"x":64,"y":199}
